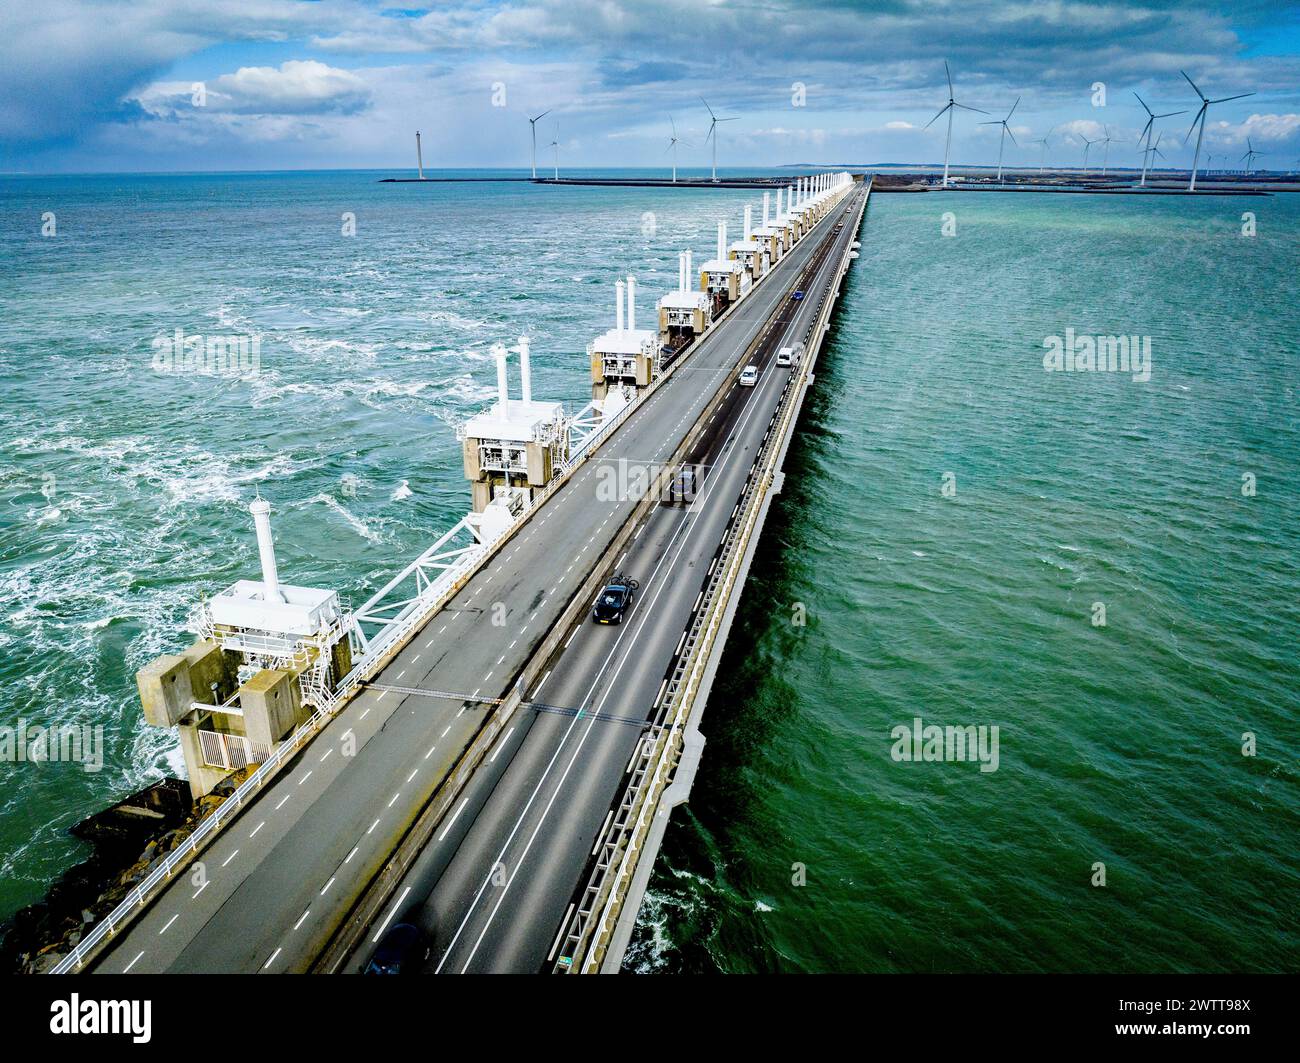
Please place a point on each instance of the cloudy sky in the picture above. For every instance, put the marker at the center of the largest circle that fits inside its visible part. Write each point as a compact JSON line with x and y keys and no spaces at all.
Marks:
{"x":145,"y":85}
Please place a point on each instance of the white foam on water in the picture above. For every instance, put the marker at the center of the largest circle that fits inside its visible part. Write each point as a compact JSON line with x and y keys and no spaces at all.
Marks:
{"x":355,"y":522}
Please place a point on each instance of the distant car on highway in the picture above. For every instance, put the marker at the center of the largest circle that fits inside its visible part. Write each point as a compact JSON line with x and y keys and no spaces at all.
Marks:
{"x":614,"y":600}
{"x":749,"y":376}
{"x":785,"y":357}
{"x":797,"y":296}
{"x":402,"y":950}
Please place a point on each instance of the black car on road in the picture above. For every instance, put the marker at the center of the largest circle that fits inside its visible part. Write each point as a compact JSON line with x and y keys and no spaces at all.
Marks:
{"x":402,"y":950}
{"x":614,"y":600}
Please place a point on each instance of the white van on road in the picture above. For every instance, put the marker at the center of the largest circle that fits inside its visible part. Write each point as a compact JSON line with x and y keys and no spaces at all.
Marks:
{"x":785,"y":357}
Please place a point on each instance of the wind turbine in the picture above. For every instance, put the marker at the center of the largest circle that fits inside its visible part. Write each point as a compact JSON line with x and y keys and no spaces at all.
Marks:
{"x":949,"y":107}
{"x":1200,"y":118}
{"x":1251,"y":155}
{"x":672,"y":146}
{"x":1087,"y":146}
{"x":1147,"y":130}
{"x":1006,"y":132}
{"x":556,"y":145}
{"x":1150,"y":151}
{"x":713,"y":134}
{"x":1042,"y":158}
{"x":533,"y":123}
{"x":1106,"y":154}
{"x":1151,"y":120}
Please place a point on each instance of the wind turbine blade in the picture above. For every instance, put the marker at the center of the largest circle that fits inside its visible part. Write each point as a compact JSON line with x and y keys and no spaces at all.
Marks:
{"x":540,"y":116}
{"x":1199,"y":115}
{"x":708,"y":108}
{"x":1225,"y":99}
{"x":1143,"y":103}
{"x":948,"y":73}
{"x":1193,"y":84}
{"x":937,"y":116}
{"x":1013,"y":109}
{"x":994,"y":122}
{"x":1011,"y":135}
{"x":1171,"y":114}
{"x":965,"y":108}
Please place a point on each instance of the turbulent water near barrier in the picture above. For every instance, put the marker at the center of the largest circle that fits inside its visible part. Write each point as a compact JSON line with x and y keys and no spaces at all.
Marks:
{"x":123,"y":495}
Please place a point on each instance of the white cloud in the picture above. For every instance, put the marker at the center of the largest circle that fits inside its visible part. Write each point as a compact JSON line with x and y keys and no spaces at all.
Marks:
{"x":1260,"y":128}
{"x":296,"y":87}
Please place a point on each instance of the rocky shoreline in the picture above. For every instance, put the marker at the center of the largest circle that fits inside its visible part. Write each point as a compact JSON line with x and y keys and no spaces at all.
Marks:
{"x":128,"y":839}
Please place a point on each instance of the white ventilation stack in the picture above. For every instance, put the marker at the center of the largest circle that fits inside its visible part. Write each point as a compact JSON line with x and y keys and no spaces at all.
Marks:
{"x":689,"y":279}
{"x":618,"y":303}
{"x":261,"y":510}
{"x":503,"y":394}
{"x":766,"y":196}
{"x":681,"y":272}
{"x":722,"y":241}
{"x":525,"y":369}
{"x":749,"y":222}
{"x":631,"y":304}
{"x":419,"y":156}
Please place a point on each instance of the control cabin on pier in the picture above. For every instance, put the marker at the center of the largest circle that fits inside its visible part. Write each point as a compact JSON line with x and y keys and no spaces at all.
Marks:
{"x":748,"y":252}
{"x":516,"y":443}
{"x":683,"y":314}
{"x":623,"y":356}
{"x":723,"y":279}
{"x":266,"y":653}
{"x":771,"y":236}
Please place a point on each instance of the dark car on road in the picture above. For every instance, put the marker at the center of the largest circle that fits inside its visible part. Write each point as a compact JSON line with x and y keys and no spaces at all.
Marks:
{"x":614,"y":600}
{"x":402,"y":950}
{"x":681,"y":490}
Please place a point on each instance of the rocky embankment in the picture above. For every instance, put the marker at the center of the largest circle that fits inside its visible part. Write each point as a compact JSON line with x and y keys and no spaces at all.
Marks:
{"x":128,"y":840}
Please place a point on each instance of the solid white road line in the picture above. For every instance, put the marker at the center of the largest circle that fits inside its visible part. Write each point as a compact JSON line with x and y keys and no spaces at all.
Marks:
{"x":393,"y":911}
{"x":459,"y":809}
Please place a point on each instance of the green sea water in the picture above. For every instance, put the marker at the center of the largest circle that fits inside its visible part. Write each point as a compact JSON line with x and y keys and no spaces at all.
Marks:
{"x":1121,"y":746}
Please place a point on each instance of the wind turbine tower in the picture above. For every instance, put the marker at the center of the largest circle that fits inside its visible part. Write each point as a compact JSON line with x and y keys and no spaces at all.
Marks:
{"x":1200,"y":120}
{"x":532,"y":122}
{"x":1087,"y":146}
{"x":1250,"y":156}
{"x":1042,"y":158}
{"x":713,"y":133}
{"x":948,"y":108}
{"x":1148,"y":129}
{"x":672,"y":146}
{"x":1006,"y":132}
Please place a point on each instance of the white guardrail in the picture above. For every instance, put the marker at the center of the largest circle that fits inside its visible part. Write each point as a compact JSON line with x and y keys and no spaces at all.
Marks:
{"x":435,"y":595}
